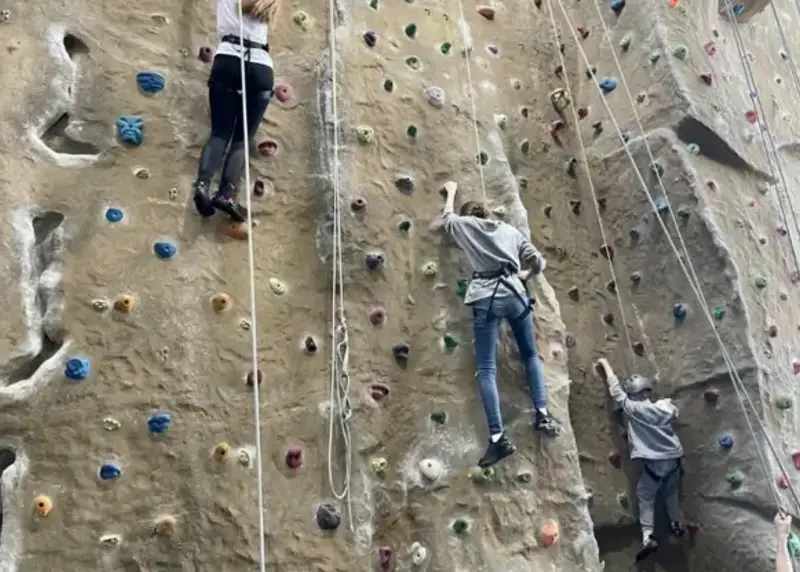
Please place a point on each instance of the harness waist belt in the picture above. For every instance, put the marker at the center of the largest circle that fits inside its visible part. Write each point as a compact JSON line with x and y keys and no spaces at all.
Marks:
{"x":493,"y":274}
{"x":249,"y":44}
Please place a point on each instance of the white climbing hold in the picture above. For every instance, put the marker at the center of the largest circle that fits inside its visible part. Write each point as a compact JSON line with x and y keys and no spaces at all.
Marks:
{"x":499,"y":211}
{"x":380,"y":465}
{"x":277,"y":286}
{"x":366,"y":134}
{"x":110,"y":539}
{"x":501,"y":120}
{"x":244,"y":457}
{"x":173,"y":193}
{"x":111,"y":424}
{"x":245,"y":324}
{"x":100,"y":305}
{"x":141,"y":173}
{"x":431,"y":469}
{"x":430,"y":269}
{"x":418,"y":554}
{"x":435,"y":96}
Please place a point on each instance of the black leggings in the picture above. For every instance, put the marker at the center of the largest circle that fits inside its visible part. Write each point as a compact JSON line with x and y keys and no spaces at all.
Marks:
{"x":226,"y":143}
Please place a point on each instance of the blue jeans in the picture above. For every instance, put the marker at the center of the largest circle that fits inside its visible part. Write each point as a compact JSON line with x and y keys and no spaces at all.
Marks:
{"x":486,"y":330}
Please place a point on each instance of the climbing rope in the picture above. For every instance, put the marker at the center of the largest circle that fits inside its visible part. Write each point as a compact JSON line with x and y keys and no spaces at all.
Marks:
{"x":466,"y":48}
{"x":739,"y":387}
{"x":339,"y":399}
{"x":629,"y":356}
{"x":262,"y":543}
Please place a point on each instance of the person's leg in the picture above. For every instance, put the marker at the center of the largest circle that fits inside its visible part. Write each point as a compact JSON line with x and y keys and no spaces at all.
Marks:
{"x":646,"y":491}
{"x":670,"y":488}
{"x":522,"y":327}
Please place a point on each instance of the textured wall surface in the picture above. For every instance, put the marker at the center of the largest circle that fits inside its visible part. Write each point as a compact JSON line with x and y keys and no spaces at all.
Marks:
{"x":173,"y":335}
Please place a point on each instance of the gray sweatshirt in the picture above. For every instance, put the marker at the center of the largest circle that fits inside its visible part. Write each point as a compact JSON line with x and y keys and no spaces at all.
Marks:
{"x":651,"y":431}
{"x":489,"y":245}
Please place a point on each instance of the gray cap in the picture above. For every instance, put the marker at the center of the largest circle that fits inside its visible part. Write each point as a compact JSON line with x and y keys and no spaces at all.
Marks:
{"x":636,"y":384}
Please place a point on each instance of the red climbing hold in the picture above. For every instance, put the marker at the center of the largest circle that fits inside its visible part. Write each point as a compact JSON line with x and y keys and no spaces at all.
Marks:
{"x":796,"y":367}
{"x":378,"y":391}
{"x":751,"y":117}
{"x":377,"y":316}
{"x":711,"y":48}
{"x":583,"y":112}
{"x":706,"y":77}
{"x":294,"y":457}
{"x":268,"y":148}
{"x":206,"y":54}
{"x":783,"y":481}
{"x":615,"y":459}
{"x":711,"y":396}
{"x":283,"y":92}
{"x":796,"y":460}
{"x":385,"y":557}
{"x":584,"y":32}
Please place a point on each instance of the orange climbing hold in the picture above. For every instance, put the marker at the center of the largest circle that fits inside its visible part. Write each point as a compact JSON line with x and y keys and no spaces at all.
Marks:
{"x":221,"y":303}
{"x":549,"y":533}
{"x":165,"y":526}
{"x":124,"y":303}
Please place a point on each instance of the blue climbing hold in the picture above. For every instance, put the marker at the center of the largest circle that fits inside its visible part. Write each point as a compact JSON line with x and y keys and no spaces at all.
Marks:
{"x":129,"y":129}
{"x":159,"y":423}
{"x":725,"y":441}
{"x":737,"y":9}
{"x":164,"y":250}
{"x":608,"y":85}
{"x":617,"y":6}
{"x":150,"y":82}
{"x":77,"y":369}
{"x":661,"y":205}
{"x":109,"y":471}
{"x":113,"y":214}
{"x":679,"y":311}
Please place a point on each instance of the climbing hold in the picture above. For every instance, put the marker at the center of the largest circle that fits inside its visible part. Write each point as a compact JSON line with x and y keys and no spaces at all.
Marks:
{"x":719,"y":311}
{"x":401,"y":352}
{"x":598,"y":127}
{"x":378,"y":391}
{"x":450,"y":342}
{"x":772,"y":331}
{"x":711,"y":396}
{"x":693,"y":149}
{"x":164,"y":250}
{"x":607,"y":251}
{"x":124,"y":303}
{"x":130,"y":129}
{"x":221,"y":303}
{"x":418,"y":554}
{"x":487,"y":12}
{"x":516,"y":83}
{"x":205,"y":54}
{"x":679,"y":311}
{"x":615,"y":459}
{"x":608,"y":85}
{"x":268,"y":148}
{"x":294,"y":457}
{"x":77,"y":369}
{"x":111,"y":424}
{"x":413,"y":63}
{"x":309,"y":345}
{"x":761,"y":283}
{"x":258,"y":189}
{"x":42,"y":504}
{"x":165,"y":526}
{"x":259,"y":377}
{"x":374,"y":260}
{"x":236,"y":230}
{"x":735,"y":479}
{"x":385,"y":557}
{"x":429,"y":269}
{"x":783,"y":403}
{"x":570,"y":165}
{"x":159,"y":423}
{"x":461,"y":526}
{"x":481,"y":476}
{"x":608,"y":318}
{"x":404,"y":184}
{"x":783,"y":481}
{"x":379,"y":465}
{"x":575,"y":206}
{"x":141,"y":173}
{"x":661,"y":205}
{"x":617,"y":6}
{"x":222,"y":452}
{"x":410,"y":30}
{"x":573,"y":293}
{"x":277,"y":286}
{"x":445,"y":48}
{"x":114,"y":214}
{"x":431,"y":469}
{"x":150,"y":82}
{"x":411,"y":131}
{"x":99,"y":305}
{"x":461,"y":287}
{"x":109,"y":471}
{"x":584,"y":32}
{"x":435,"y":96}
{"x":439,"y":417}
{"x":283,"y":92}
{"x":302,"y":20}
{"x":793,"y":545}
{"x":328,"y":517}
{"x":638,"y":348}
{"x":370,"y":38}
{"x":725,"y":441}
{"x":751,"y":116}
{"x":625,"y":42}
{"x":358,"y":204}
{"x":388,"y":85}
{"x":707,"y":78}
{"x":524,"y":476}
{"x":110,"y":539}
{"x":656,"y":168}
{"x":377,"y":316}
{"x":482,"y":158}
{"x":611,"y":286}
{"x":680,"y":52}
{"x":654,"y":57}
{"x":365,"y":134}
{"x":570,"y":341}
{"x":549,"y":533}
{"x":737,"y":9}
{"x":711,"y":48}
{"x":373,"y":4}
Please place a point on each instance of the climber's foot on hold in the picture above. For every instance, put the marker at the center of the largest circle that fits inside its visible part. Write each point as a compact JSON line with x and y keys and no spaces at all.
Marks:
{"x":646,"y":549}
{"x":225,"y":201}
{"x":201,"y":199}
{"x":547,"y":424}
{"x":497,"y":451}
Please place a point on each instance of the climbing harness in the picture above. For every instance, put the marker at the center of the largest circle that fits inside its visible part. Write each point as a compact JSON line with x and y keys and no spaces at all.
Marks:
{"x":245,"y":43}
{"x":262,"y":543}
{"x":502,"y":276}
{"x":738,"y":385}
{"x":658,"y":478}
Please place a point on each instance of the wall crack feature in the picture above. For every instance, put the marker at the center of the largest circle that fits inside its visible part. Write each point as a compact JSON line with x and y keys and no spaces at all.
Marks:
{"x":692,"y":130}
{"x":13,"y":467}
{"x":75,"y":46}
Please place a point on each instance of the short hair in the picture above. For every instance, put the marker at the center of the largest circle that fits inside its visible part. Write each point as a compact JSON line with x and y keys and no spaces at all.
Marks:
{"x":474,"y":208}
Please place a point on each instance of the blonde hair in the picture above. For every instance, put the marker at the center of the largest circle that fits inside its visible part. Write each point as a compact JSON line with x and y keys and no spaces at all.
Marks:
{"x":265,"y":10}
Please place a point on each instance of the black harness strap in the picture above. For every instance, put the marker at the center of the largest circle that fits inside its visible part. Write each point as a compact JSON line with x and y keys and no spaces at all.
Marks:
{"x":658,"y":479}
{"x":248,"y":44}
{"x":502,"y":275}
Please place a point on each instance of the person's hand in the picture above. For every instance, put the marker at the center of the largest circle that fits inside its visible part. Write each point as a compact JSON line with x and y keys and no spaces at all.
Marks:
{"x":450,"y":187}
{"x":261,"y":8}
{"x":783,"y":523}
{"x":602,"y":368}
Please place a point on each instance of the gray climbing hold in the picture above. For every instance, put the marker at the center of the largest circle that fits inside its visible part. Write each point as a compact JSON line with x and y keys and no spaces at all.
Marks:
{"x":374,"y":260}
{"x":431,"y":469}
{"x":435,"y":96}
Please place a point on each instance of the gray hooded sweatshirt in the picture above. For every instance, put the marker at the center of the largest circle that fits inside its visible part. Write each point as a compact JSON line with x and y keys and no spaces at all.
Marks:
{"x":651,"y":431}
{"x":491,"y":245}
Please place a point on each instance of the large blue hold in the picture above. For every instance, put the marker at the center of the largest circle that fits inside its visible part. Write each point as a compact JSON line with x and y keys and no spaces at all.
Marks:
{"x":608,"y":85}
{"x":130,"y":129}
{"x":725,"y":441}
{"x":617,"y":6}
{"x":109,"y":471}
{"x":164,"y":250}
{"x":77,"y":369}
{"x":159,"y":423}
{"x":113,"y":214}
{"x":150,"y":82}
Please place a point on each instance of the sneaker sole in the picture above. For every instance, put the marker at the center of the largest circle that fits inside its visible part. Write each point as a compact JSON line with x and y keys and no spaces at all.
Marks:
{"x":203,"y":205}
{"x":644,"y":554}
{"x":497,"y":460}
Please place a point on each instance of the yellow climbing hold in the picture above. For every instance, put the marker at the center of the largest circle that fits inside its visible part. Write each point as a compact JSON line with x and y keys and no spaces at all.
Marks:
{"x":379,"y":465}
{"x":221,"y":452}
{"x":221,"y":303}
{"x":277,"y":286}
{"x":165,"y":526}
{"x":124,"y":303}
{"x":42,"y":505}
{"x":366,"y":134}
{"x":302,"y":20}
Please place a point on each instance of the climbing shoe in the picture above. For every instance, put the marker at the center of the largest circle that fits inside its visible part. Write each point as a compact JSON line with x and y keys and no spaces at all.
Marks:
{"x":646,"y":549}
{"x":201,"y":199}
{"x":677,"y":529}
{"x":225,"y":200}
{"x":496,"y":452}
{"x":547,"y":424}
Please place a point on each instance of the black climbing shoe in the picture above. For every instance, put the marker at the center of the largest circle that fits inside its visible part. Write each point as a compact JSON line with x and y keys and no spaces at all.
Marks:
{"x":496,"y":452}
{"x":225,"y":200}
{"x":202,"y":202}
{"x":646,"y":549}
{"x":677,"y":529}
{"x":547,"y":424}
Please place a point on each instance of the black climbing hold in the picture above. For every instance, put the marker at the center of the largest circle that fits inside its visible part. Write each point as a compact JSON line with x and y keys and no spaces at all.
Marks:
{"x":445,"y":47}
{"x":374,"y":260}
{"x":492,"y":49}
{"x":401,"y":352}
{"x":635,"y":235}
{"x":373,"y":4}
{"x":711,"y":396}
{"x":404,"y":225}
{"x":608,"y":318}
{"x":310,"y":345}
{"x":772,"y":331}
{"x":656,"y":168}
{"x":404,"y":184}
{"x":572,"y":162}
{"x":388,"y":85}
{"x":370,"y":38}
{"x":706,"y":77}
{"x":258,"y":189}
{"x":573,"y":293}
{"x":638,"y":348}
{"x":524,"y":112}
{"x":611,"y":286}
{"x":358,"y":204}
{"x":601,"y":205}
{"x":590,"y":73}
{"x":547,"y":210}
{"x":636,"y":277}
{"x":575,"y":206}
{"x":439,"y":417}
{"x":598,"y":127}
{"x":584,"y":32}
{"x":562,"y":48}
{"x":607,"y":251}
{"x":411,"y":30}
{"x":328,"y":517}
{"x":559,"y":71}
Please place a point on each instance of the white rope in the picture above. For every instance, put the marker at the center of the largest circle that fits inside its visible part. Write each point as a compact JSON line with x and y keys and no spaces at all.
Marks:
{"x":738,"y":384}
{"x":339,"y":404}
{"x":262,"y":542}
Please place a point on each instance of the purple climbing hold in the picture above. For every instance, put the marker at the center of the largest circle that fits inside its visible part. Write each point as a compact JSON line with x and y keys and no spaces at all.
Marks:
{"x":206,"y":54}
{"x":385,"y":557}
{"x":374,"y":260}
{"x":370,"y":38}
{"x":377,"y":316}
{"x":294,"y":457}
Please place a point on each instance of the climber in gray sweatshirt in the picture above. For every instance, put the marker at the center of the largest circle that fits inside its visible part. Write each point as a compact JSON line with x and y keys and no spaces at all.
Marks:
{"x":652,"y":439}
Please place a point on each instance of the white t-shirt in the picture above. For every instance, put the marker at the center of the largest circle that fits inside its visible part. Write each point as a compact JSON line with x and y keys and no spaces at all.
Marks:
{"x":254,"y":30}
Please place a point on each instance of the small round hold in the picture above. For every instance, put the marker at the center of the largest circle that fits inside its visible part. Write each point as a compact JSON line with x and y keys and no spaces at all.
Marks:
{"x":310,"y":345}
{"x":365,"y":134}
{"x":379,"y":465}
{"x":388,"y":85}
{"x":418,"y":554}
{"x":374,"y":260}
{"x":358,"y":204}
{"x":42,"y":504}
{"x":109,"y":472}
{"x":413,"y":63}
{"x":268,"y":148}
{"x":283,"y":92}
{"x":302,"y":20}
{"x":277,"y":286}
{"x":461,"y":526}
{"x":638,"y":348}
{"x":401,"y":352}
{"x":258,"y":189}
{"x":377,"y":316}
{"x":725,"y":441}
{"x":100,"y":305}
{"x":294,"y":457}
{"x":165,"y":526}
{"x":370,"y":38}
{"x":114,"y":214}
{"x":435,"y":96}
{"x":439,"y":417}
{"x":524,"y":476}
{"x":141,"y":173}
{"x":124,"y":303}
{"x":379,"y":391}
{"x":404,"y":225}
{"x":410,"y":30}
{"x":430,"y":269}
{"x":221,"y":303}
{"x":111,"y":424}
{"x":205,"y":54}
{"x":164,"y":250}
{"x":549,"y":533}
{"x":77,"y":369}
{"x":711,"y":396}
{"x":159,"y":423}
{"x":259,"y":376}
{"x":222,"y":452}
{"x":412,"y":131}
{"x":487,"y":12}
{"x":679,"y":311}
{"x":431,"y":469}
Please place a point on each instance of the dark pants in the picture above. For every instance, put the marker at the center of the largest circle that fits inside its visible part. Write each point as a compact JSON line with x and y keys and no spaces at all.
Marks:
{"x":226,"y":142}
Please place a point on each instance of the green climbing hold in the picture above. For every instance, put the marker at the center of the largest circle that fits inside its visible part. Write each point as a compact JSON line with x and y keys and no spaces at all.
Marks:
{"x":411,"y":30}
{"x":373,"y":4}
{"x":411,"y":131}
{"x":439,"y":417}
{"x":783,"y":403}
{"x":445,"y":47}
{"x":450,"y":342}
{"x":625,"y":42}
{"x":413,"y":62}
{"x":654,"y":57}
{"x":482,"y":158}
{"x":793,"y":545}
{"x":388,"y":85}
{"x":461,"y":526}
{"x":719,"y":311}
{"x":461,"y":287}
{"x":443,"y":193}
{"x":761,"y":282}
{"x":680,"y":52}
{"x":481,"y":476}
{"x":735,"y":479}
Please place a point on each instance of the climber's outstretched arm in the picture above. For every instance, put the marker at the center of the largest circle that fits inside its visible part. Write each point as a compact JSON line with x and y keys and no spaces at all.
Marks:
{"x":783,"y":525}
{"x":604,"y":372}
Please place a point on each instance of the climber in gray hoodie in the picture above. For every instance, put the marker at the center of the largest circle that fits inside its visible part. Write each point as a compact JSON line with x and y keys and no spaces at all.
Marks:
{"x":652,"y":439}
